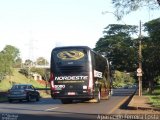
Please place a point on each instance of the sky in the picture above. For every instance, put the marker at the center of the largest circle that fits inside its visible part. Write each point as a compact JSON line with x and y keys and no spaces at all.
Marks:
{"x":35,"y":27}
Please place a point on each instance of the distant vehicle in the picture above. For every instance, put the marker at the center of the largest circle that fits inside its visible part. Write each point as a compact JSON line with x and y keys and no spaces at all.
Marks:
{"x":79,"y":73}
{"x":23,"y":92}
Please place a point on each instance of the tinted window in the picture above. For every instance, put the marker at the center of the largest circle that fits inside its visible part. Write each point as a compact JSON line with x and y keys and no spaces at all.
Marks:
{"x":19,"y":87}
{"x":70,"y":57}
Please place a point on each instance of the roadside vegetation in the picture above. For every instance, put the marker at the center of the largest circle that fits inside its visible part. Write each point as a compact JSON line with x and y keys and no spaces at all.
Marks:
{"x":122,"y":79}
{"x":121,"y":47}
{"x":18,"y":78}
{"x":14,"y":71}
{"x":154,"y":98}
{"x":150,"y":46}
{"x":124,"y":7}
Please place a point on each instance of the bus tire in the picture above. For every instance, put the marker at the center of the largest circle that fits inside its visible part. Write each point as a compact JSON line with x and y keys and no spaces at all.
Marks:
{"x":97,"y":98}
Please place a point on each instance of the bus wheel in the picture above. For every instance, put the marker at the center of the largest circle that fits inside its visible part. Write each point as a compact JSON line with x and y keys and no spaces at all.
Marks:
{"x":66,"y":101}
{"x":97,"y":98}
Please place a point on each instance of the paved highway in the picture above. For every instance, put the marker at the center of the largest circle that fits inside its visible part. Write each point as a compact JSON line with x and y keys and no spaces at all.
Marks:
{"x":49,"y":109}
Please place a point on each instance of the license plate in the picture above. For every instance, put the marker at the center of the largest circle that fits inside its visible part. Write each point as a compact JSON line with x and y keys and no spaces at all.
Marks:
{"x":71,"y":93}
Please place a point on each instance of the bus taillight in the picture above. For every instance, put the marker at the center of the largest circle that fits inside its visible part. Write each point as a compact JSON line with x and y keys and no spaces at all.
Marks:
{"x":90,"y":85}
{"x":52,"y":81}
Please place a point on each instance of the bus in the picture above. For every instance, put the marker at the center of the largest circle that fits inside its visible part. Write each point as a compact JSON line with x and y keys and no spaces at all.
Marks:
{"x":79,"y":73}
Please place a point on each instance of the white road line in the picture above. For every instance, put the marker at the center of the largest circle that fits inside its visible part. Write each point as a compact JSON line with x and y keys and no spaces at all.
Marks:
{"x":51,"y":109}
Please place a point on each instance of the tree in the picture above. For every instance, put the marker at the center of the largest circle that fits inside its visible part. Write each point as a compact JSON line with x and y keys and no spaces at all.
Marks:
{"x":119,"y":46}
{"x":122,"y":51}
{"x":29,"y":66}
{"x":2,"y":66}
{"x":28,"y":63}
{"x":12,"y":52}
{"x":151,"y":52}
{"x":9,"y":55}
{"x":7,"y":58}
{"x":42,"y":71}
{"x":18,"y":63}
{"x":41,"y":61}
{"x":122,"y":78}
{"x":123,"y":7}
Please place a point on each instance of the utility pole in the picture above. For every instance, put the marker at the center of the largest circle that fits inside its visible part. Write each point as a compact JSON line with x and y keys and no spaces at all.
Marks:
{"x":139,"y":70}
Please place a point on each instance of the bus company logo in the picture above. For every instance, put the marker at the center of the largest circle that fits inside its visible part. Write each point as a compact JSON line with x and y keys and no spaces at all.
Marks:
{"x":70,"y":55}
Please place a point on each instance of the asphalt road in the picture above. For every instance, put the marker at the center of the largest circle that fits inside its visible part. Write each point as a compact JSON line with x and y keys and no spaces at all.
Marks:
{"x":49,"y":109}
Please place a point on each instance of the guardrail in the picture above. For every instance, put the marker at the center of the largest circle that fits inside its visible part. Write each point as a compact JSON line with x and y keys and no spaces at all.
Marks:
{"x":3,"y":93}
{"x":46,"y":90}
{"x":3,"y":96}
{"x":42,"y":88}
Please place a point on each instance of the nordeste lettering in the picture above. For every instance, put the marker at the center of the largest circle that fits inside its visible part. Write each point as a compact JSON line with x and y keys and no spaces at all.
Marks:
{"x":71,"y":78}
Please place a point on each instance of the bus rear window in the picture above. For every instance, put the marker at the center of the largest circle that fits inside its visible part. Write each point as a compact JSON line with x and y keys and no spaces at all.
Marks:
{"x":70,"y":57}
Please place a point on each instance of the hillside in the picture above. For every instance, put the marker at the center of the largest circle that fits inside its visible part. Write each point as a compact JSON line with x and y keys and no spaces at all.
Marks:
{"x":18,"y":78}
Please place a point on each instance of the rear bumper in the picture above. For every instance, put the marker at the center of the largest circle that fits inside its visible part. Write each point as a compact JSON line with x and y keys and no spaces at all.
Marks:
{"x":77,"y":95}
{"x":17,"y":97}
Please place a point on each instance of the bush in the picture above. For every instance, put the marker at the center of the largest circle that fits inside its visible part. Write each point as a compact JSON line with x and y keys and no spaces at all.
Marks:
{"x":24,"y":71}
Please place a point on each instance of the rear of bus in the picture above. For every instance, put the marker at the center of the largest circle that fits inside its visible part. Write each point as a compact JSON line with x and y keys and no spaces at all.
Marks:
{"x":71,"y":74}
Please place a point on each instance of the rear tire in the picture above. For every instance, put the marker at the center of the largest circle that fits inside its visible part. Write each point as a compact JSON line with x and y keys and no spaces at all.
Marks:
{"x":37,"y":98}
{"x":29,"y":98}
{"x":10,"y":100}
{"x":98,"y":97}
{"x":66,"y":101}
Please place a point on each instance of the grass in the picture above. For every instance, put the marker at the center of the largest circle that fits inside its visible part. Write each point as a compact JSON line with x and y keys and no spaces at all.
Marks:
{"x":18,"y":78}
{"x":155,"y":97}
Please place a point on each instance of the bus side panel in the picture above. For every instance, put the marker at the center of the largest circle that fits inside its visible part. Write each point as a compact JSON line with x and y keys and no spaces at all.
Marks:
{"x":101,"y":65}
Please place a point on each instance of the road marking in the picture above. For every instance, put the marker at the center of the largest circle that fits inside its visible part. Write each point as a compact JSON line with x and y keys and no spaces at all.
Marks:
{"x":118,"y":105}
{"x":51,"y":109}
